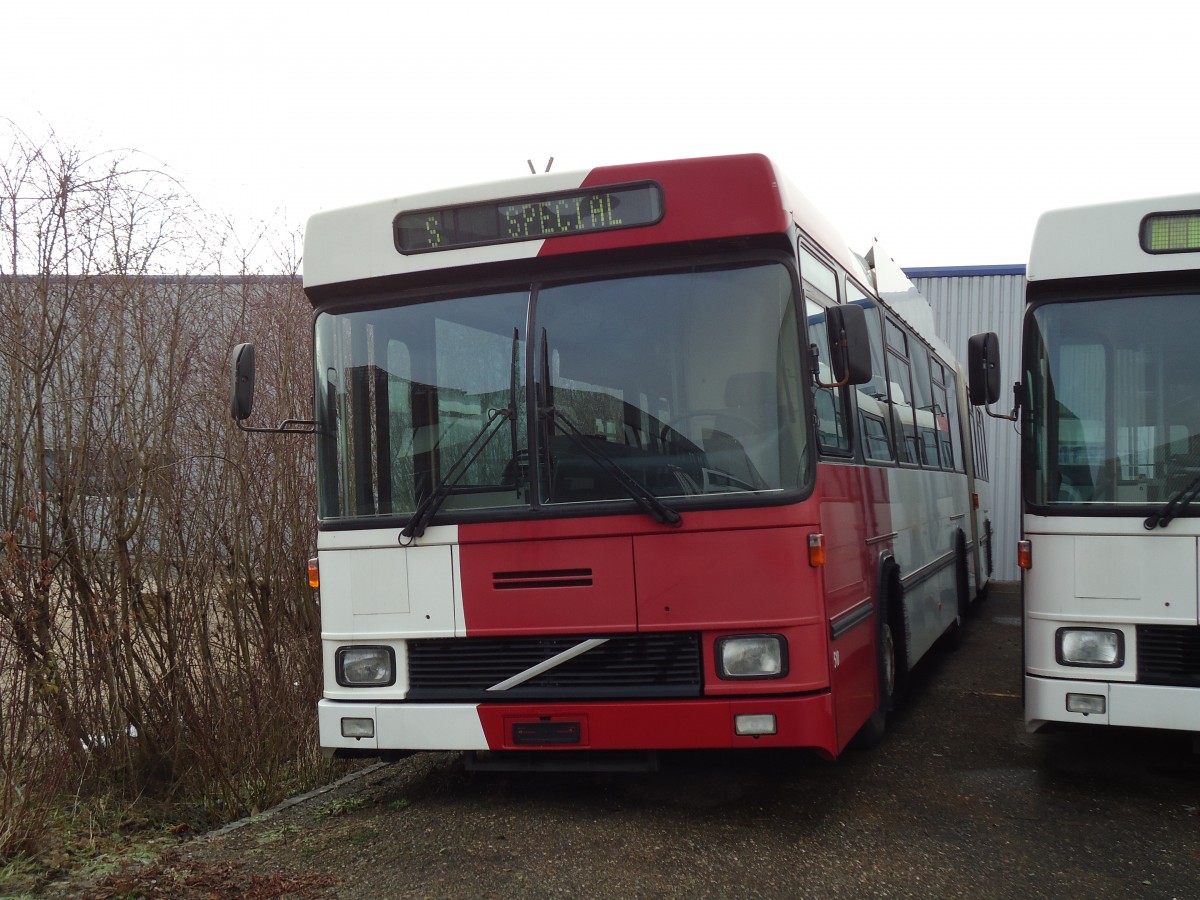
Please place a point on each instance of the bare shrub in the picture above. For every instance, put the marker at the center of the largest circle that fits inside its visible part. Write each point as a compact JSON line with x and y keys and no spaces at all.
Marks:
{"x":32,"y":761}
{"x":153,"y":604}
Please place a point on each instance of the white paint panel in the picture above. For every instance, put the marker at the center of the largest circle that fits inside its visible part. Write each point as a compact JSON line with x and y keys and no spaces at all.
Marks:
{"x":358,"y":242}
{"x":925,"y":544}
{"x":329,"y":722}
{"x":403,"y":726}
{"x":375,"y":581}
{"x":1154,"y":706}
{"x":429,"y":726}
{"x":373,"y":589}
{"x":1046,"y":701}
{"x":1103,"y":239}
{"x":1128,"y":705}
{"x":1113,"y":578}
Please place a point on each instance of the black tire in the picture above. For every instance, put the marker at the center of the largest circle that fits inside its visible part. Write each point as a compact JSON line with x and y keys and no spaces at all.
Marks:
{"x":898,"y":621}
{"x":962,"y":578}
{"x":889,"y":655}
{"x":987,"y":533}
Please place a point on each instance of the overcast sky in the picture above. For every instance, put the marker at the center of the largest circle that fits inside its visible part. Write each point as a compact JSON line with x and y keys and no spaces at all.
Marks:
{"x":942,"y":128}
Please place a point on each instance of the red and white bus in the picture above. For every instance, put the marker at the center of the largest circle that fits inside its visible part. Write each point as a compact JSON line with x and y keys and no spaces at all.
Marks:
{"x":1110,"y":422}
{"x":587,"y":481}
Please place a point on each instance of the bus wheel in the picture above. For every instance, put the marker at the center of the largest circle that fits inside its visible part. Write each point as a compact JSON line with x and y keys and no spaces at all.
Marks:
{"x":873,"y":730}
{"x":962,"y":579}
{"x":987,"y":532}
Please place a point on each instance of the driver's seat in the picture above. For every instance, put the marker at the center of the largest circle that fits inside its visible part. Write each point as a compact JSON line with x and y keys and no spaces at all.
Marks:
{"x":745,"y":440}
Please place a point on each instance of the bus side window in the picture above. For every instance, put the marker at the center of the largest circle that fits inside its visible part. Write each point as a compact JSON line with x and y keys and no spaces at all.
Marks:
{"x":928,"y":443}
{"x":874,"y":415}
{"x":900,"y":393}
{"x":954,"y":435}
{"x":833,"y":423}
{"x":833,"y":431}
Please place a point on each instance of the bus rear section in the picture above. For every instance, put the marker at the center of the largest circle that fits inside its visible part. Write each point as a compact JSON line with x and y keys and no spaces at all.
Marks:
{"x":1111,"y":466}
{"x":602,"y":466}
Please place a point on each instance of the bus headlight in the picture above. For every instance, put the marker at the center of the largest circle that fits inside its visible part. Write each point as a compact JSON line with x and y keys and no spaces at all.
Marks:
{"x":366,"y":666}
{"x":752,"y":656}
{"x":1092,"y":647}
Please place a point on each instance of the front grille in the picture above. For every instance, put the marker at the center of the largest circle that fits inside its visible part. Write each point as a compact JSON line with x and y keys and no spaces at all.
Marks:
{"x":626,"y":666}
{"x":1169,"y":654}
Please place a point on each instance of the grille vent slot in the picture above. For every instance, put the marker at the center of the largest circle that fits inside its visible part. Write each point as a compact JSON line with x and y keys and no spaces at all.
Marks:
{"x":546,"y":578}
{"x":1169,"y":654}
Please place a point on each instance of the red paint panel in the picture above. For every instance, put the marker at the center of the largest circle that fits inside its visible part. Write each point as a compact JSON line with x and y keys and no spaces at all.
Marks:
{"x":703,"y":199}
{"x":669,"y":725}
{"x":854,"y":506}
{"x":856,"y":681}
{"x":549,"y":587}
{"x":548,"y":529}
{"x":738,"y":580}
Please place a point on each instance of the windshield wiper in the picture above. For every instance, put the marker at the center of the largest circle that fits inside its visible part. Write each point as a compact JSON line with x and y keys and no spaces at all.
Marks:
{"x":639,"y":492}
{"x":1175,"y":506}
{"x":547,"y":412}
{"x":433,"y":501}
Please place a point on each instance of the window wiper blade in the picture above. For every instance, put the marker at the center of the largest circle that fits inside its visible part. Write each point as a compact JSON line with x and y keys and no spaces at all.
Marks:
{"x":639,"y":492}
{"x":433,"y":501}
{"x":428,"y":507}
{"x":1175,"y":506}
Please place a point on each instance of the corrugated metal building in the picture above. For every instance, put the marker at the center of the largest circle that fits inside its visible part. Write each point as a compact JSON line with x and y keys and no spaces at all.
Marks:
{"x":967,"y":300}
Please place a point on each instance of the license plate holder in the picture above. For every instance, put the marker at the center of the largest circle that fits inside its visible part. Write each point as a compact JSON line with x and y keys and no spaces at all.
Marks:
{"x":553,"y":732}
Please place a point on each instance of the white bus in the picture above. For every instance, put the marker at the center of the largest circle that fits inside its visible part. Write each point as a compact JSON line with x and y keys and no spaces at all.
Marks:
{"x":630,"y":459}
{"x":1110,"y":421}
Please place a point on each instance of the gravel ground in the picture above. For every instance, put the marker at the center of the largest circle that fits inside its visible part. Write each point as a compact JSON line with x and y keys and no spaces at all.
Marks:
{"x":957,"y":802}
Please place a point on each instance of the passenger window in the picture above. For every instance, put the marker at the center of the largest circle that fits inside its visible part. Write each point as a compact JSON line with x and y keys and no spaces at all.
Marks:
{"x":952,"y":457}
{"x":900,"y":393}
{"x":874,"y":415}
{"x":928,"y":427}
{"x":817,"y":274}
{"x":833,"y":431}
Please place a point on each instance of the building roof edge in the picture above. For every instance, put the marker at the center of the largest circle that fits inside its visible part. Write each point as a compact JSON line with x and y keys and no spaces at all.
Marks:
{"x":963,"y":271}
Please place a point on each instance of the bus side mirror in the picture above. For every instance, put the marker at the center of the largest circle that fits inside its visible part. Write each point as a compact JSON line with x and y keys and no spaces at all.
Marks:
{"x":983,"y":368}
{"x":241,"y":382}
{"x":849,"y":344}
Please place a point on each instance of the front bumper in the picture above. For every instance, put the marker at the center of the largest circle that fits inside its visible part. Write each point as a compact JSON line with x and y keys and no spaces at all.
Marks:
{"x":1127,"y":705}
{"x":801,"y":721}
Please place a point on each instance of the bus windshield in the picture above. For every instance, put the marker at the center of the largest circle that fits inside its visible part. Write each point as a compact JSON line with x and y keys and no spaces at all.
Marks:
{"x":1114,"y":401}
{"x":685,"y":380}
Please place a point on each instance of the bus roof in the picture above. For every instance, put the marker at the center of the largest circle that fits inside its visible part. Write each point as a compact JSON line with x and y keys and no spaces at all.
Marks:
{"x":1106,"y":239}
{"x":701,"y":199}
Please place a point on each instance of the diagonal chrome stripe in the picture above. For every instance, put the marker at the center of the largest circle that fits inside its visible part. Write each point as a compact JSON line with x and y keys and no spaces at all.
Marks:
{"x":547,"y":665}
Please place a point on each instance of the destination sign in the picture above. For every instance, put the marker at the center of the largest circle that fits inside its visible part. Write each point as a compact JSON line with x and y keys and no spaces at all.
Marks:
{"x":1177,"y":232}
{"x":530,"y":218}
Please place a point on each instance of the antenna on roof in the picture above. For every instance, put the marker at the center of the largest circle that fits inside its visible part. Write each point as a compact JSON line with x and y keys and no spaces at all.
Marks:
{"x":549,"y":164}
{"x":533,"y":171}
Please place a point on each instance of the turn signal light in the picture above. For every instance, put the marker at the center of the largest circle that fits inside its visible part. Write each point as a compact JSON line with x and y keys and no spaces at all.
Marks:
{"x":816,"y":549}
{"x":314,"y":573}
{"x":1025,"y":554}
